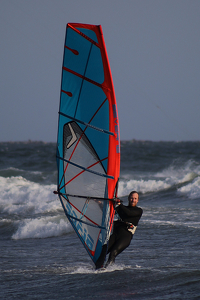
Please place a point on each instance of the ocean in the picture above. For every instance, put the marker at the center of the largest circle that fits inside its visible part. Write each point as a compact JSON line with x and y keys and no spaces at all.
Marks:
{"x":41,"y":257}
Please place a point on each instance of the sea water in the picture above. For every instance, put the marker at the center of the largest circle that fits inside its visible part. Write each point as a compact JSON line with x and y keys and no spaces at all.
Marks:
{"x":41,"y":256}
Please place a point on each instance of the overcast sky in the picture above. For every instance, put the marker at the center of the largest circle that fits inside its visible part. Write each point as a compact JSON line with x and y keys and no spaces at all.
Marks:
{"x":154,"y":53}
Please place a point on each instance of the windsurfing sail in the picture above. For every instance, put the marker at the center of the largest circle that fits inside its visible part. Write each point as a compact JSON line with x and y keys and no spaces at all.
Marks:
{"x":88,"y":143}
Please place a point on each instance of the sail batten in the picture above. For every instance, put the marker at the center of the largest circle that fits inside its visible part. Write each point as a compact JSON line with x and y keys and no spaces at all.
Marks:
{"x":85,"y":78}
{"x":86,"y":124}
{"x":82,"y":34}
{"x":79,"y":220}
{"x":88,"y":143}
{"x":85,"y":169}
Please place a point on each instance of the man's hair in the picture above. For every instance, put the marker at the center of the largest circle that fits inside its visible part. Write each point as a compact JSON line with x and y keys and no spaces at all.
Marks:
{"x":133,"y":192}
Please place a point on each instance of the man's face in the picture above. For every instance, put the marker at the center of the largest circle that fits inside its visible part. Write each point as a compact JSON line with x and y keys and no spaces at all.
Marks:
{"x":133,"y":200}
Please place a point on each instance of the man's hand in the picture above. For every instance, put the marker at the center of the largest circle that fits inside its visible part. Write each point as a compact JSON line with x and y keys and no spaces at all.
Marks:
{"x":117,"y":202}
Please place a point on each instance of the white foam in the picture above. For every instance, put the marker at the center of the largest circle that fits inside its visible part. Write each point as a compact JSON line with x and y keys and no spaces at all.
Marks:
{"x":42,"y":228}
{"x":18,"y":195}
{"x":191,"y":190}
{"x":177,"y":173}
{"x":185,"y":223}
{"x":88,"y":269}
{"x":188,"y":174}
{"x":143,"y":186}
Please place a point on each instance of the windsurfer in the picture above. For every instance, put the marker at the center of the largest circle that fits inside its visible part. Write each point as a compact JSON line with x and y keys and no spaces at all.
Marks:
{"x":125,"y":227}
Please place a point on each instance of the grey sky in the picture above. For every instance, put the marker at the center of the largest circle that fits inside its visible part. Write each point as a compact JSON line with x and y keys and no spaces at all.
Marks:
{"x":154,"y":53}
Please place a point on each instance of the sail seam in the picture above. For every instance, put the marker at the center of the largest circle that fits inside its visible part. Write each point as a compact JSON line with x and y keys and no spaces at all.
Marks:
{"x":83,"y":80}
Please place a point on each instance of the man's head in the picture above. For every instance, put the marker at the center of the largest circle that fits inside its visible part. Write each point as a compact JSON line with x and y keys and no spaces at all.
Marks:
{"x":133,"y":198}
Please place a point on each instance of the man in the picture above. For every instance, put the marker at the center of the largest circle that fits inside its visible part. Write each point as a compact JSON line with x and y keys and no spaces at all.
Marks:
{"x":124,"y":228}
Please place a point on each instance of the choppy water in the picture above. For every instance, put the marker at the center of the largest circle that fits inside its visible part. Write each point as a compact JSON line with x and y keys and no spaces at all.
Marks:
{"x":41,"y":257}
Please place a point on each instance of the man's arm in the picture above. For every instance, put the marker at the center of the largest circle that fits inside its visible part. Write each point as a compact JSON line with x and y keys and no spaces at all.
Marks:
{"x":130,"y":212}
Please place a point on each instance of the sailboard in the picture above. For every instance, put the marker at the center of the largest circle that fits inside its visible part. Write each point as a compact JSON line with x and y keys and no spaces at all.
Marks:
{"x":88,"y":141}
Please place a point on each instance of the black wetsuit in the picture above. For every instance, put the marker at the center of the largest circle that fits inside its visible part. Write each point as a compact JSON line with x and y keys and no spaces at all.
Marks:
{"x":121,"y":237}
